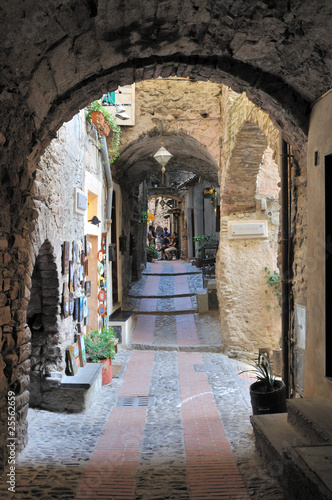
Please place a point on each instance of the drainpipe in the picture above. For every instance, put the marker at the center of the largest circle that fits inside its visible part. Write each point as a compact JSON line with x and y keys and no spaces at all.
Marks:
{"x":109,"y":199}
{"x":285,"y":264}
{"x":109,"y":181}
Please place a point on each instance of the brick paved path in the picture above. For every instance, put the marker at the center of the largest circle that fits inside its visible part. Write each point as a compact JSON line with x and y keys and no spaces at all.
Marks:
{"x":210,"y":468}
{"x":188,"y":437}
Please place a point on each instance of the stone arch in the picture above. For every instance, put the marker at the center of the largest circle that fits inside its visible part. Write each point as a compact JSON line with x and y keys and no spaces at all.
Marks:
{"x":57,"y":60}
{"x":240,"y":184}
{"x":136,"y":161}
{"x":42,"y":318}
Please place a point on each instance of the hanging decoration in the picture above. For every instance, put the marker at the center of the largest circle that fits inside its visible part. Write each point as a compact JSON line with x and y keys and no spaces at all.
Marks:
{"x":162,"y":156}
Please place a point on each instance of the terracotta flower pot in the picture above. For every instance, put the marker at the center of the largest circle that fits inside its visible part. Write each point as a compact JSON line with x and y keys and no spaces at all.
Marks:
{"x":98,"y":119}
{"x":107,"y":374}
{"x":105,"y":130}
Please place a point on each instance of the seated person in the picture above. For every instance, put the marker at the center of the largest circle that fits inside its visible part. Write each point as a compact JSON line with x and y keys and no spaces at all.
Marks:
{"x":165,"y":233}
{"x":173,"y":247}
{"x":164,"y":246}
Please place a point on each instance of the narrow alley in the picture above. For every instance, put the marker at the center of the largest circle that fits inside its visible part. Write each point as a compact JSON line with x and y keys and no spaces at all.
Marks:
{"x":173,"y":424}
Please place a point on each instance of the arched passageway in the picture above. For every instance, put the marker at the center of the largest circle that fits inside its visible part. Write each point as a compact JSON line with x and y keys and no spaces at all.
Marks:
{"x":136,"y":162}
{"x":58,"y":58}
{"x":241,"y":176}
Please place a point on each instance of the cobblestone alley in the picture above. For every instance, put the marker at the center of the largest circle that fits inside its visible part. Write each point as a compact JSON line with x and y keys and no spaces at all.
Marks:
{"x":174,"y":423}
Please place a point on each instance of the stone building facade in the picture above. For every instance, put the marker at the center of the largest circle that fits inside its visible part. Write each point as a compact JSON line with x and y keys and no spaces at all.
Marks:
{"x":72,"y":164}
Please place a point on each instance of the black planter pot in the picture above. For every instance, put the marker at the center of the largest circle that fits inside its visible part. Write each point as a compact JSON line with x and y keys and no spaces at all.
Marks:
{"x":268,"y":402}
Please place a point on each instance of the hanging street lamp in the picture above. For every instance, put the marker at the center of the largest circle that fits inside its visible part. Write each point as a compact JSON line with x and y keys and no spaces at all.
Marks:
{"x":162,"y":156}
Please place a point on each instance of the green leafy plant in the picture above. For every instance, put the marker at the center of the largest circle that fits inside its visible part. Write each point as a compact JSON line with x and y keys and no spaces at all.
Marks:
{"x":101,"y":345}
{"x":114,"y":138}
{"x":263,"y":371}
{"x":203,"y":240}
{"x":272,"y":280}
{"x":144,"y":217}
{"x":152,"y":252}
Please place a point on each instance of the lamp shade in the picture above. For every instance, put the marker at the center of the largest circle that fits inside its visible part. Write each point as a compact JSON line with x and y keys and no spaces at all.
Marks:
{"x":162,"y":156}
{"x":120,"y":112}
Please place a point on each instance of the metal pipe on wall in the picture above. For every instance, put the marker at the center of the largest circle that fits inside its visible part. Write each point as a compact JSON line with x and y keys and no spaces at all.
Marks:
{"x":109,"y":180}
{"x":285,"y":264}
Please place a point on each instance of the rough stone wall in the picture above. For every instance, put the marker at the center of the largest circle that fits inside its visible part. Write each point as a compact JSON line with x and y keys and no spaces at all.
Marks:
{"x":183,"y":106}
{"x":249,"y":311}
{"x":249,"y":308}
{"x":60,"y":169}
{"x":268,"y":178}
{"x":31,"y":270}
{"x":237,"y":110}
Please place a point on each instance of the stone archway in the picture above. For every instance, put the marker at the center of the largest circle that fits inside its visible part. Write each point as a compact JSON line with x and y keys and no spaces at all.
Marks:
{"x":249,"y":313}
{"x":136,"y":161}
{"x":240,"y":184}
{"x":58,"y":58}
{"x":42,"y":319}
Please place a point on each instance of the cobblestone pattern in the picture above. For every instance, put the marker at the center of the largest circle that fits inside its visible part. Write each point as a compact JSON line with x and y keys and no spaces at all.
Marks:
{"x":162,"y":473}
{"x":208,"y":328}
{"x":231,"y":394}
{"x":60,"y":446}
{"x":211,"y":468}
{"x":165,"y":331}
{"x":207,"y":325}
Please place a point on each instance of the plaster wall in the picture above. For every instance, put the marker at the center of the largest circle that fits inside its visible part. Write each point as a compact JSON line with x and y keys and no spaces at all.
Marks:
{"x":319,"y":140}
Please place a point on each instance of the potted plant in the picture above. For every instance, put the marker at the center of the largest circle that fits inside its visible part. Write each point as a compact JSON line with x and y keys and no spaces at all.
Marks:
{"x":105,"y":123}
{"x":202,"y":240}
{"x":151,"y":253}
{"x":267,"y":394}
{"x":101,"y":348}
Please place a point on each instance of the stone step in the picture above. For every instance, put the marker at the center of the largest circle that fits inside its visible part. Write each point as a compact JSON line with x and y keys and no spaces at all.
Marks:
{"x":273,"y":433}
{"x":175,"y":347}
{"x":171,"y":274}
{"x":123,"y":323}
{"x":303,"y":470}
{"x":167,"y":313}
{"x":75,"y":393}
{"x":174,"y":296}
{"x":312,"y":417}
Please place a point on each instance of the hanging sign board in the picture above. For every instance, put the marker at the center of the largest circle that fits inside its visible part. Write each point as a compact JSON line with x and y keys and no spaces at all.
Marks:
{"x":88,"y":288}
{"x":65,"y":258}
{"x":247,"y":230}
{"x":85,"y":307}
{"x":103,"y":242}
{"x":73,"y":359}
{"x":100,"y":256}
{"x":71,"y":303}
{"x":81,"y":349}
{"x":65,"y":301}
{"x":100,"y":268}
{"x":87,"y":245}
{"x":74,"y":252}
{"x":101,"y":282}
{"x":102,"y":309}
